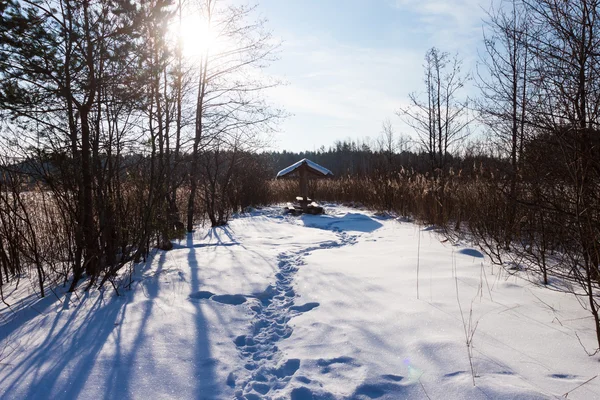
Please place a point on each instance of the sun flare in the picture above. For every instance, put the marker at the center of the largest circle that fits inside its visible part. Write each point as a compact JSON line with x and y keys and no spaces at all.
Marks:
{"x":198,"y":37}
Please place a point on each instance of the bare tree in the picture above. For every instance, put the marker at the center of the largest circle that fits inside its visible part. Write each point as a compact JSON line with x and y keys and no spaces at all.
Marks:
{"x":567,"y":118}
{"x":441,"y":119}
{"x":504,"y":81}
{"x":229,"y":89}
{"x":387,"y":141}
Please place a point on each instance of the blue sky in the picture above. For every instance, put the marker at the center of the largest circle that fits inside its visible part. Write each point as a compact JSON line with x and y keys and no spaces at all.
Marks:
{"x":350,"y":64}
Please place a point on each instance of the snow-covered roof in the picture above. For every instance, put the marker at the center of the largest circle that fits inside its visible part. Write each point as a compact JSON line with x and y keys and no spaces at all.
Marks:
{"x":313,"y":167}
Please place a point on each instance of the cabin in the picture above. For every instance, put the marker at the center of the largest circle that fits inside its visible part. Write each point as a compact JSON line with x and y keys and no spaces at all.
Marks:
{"x":304,"y":170}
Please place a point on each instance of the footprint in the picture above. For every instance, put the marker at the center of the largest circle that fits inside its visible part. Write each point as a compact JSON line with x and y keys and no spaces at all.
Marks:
{"x":326,"y":364}
{"x":233,"y":299}
{"x":244,"y":340}
{"x":305,"y":307}
{"x":390,"y":377}
{"x":267,"y":294}
{"x":203,"y":294}
{"x":240,"y":341}
{"x":301,"y":393}
{"x":230,"y":380}
{"x":338,"y":360}
{"x":288,"y":368}
{"x":370,"y":391}
{"x":261,"y":388}
{"x":303,"y":379}
{"x":563,"y":376}
{"x":455,"y":373}
{"x":376,"y":390}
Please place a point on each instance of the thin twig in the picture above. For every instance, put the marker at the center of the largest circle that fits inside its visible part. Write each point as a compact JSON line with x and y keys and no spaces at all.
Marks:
{"x":418,"y":259}
{"x":546,"y":304}
{"x":486,"y":282}
{"x":572,"y":390}
{"x":423,"y":387}
{"x":470,"y":330}
{"x":584,"y":349}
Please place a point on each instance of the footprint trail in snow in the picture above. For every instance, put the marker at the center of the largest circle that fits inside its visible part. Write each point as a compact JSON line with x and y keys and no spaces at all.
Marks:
{"x":274,"y":308}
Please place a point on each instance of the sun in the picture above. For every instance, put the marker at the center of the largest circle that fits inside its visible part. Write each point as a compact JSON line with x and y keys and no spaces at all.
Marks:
{"x":198,"y":37}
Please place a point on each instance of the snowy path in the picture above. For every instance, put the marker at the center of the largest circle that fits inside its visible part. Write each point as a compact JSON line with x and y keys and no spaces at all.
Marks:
{"x":274,"y":308}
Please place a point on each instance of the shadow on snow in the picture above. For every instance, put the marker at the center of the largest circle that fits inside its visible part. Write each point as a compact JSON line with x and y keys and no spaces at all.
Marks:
{"x":63,"y":361}
{"x":350,"y":222}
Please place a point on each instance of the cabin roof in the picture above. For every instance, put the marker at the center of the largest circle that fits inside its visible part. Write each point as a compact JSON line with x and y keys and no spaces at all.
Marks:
{"x":312,"y":167}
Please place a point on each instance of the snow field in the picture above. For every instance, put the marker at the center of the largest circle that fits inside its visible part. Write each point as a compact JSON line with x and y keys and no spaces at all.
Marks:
{"x":310,"y":307}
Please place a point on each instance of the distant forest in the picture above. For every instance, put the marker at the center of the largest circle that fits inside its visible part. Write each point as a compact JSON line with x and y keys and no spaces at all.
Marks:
{"x":353,"y":158}
{"x":114,"y":142}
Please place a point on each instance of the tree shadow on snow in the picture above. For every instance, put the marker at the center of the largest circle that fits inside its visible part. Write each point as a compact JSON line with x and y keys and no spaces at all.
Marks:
{"x":200,"y":245}
{"x":207,"y":386}
{"x":61,"y":363}
{"x":72,"y":349}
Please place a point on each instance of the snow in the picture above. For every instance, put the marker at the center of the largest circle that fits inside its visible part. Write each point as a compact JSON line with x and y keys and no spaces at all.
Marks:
{"x":324,"y":171}
{"x":309,"y":307}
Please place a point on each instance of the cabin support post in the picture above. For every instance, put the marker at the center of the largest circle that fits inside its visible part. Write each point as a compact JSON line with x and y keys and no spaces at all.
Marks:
{"x":304,"y":187}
